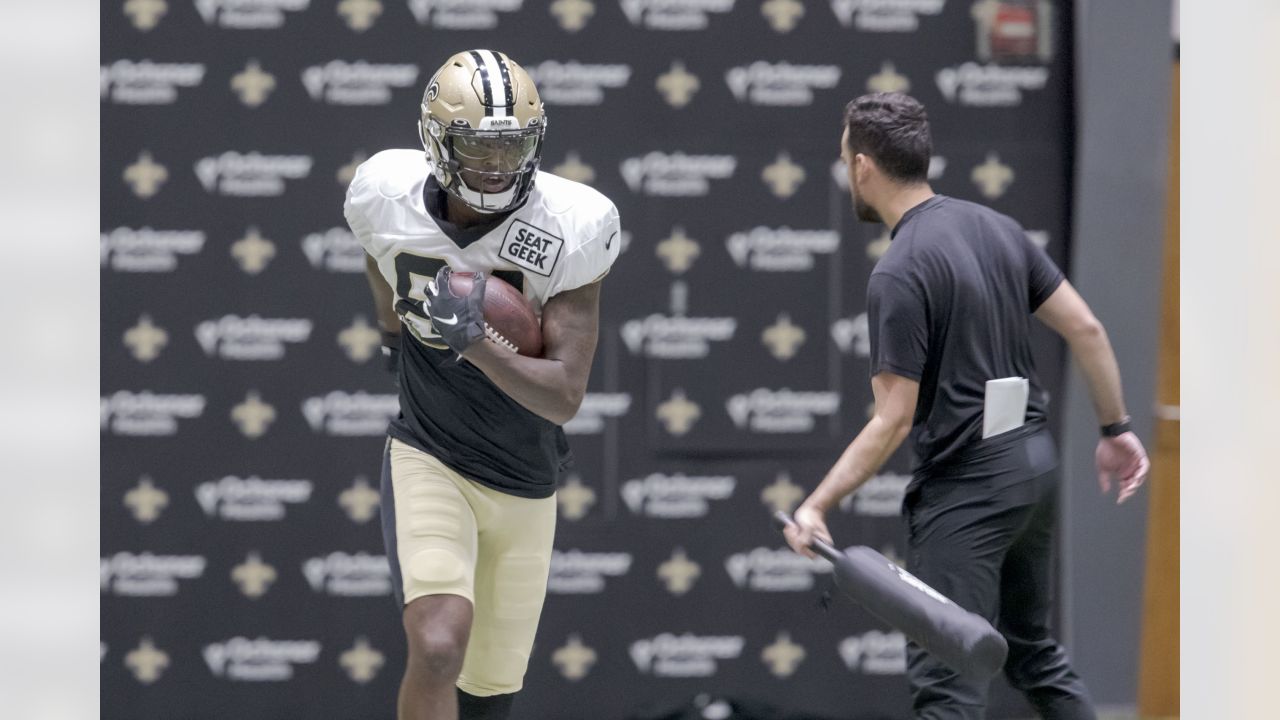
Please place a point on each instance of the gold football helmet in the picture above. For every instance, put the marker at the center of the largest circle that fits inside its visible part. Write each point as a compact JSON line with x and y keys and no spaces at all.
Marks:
{"x":482,"y":125}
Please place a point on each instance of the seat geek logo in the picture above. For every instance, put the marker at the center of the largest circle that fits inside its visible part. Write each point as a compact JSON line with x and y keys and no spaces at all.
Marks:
{"x":782,"y":84}
{"x":345,"y":414}
{"x":339,"y":574}
{"x":594,"y":410}
{"x":142,"y":82}
{"x":974,"y":85}
{"x":259,"y":660}
{"x":676,"y":174}
{"x":251,"y":499}
{"x":780,"y":411}
{"x":250,"y":174}
{"x":147,"y":413}
{"x":575,"y":83}
{"x":575,"y":572}
{"x":686,"y":655}
{"x":248,"y":14}
{"x":531,"y":248}
{"x":780,"y":249}
{"x":335,"y":250}
{"x":676,"y":496}
{"x":774,"y":570}
{"x":148,"y":575}
{"x":251,"y":338}
{"x":338,"y":82}
{"x":146,"y":250}
{"x":672,"y":15}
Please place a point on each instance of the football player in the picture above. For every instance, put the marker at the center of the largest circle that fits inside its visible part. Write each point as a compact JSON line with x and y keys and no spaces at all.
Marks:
{"x":472,"y":461}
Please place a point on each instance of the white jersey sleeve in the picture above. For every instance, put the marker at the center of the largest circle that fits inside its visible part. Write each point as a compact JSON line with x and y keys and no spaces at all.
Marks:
{"x":378,"y":190}
{"x":592,"y":252}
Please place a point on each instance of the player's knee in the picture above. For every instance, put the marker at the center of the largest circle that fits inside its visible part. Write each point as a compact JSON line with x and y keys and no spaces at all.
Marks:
{"x":437,"y":653}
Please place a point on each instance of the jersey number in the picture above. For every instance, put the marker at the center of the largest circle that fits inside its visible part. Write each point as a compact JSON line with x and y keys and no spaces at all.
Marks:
{"x":413,"y":272}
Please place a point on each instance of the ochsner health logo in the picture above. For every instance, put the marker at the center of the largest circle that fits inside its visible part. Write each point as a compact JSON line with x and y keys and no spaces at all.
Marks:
{"x":875,"y":653}
{"x":248,"y":14}
{"x":350,"y":414}
{"x":780,"y":249}
{"x":259,"y":660}
{"x":251,"y":499}
{"x":335,"y":250}
{"x":765,"y":83}
{"x":676,"y":174}
{"x":338,"y":82}
{"x":147,"y":413}
{"x":148,"y":575}
{"x":659,"y":495}
{"x":345,"y":575}
{"x":251,"y":338}
{"x":673,"y":14}
{"x":250,"y":174}
{"x":576,"y":83}
{"x":146,"y":250}
{"x":769,"y":570}
{"x":977,"y":85}
{"x":143,"y":82}
{"x":780,"y":411}
{"x":578,"y":572}
{"x":686,"y":655}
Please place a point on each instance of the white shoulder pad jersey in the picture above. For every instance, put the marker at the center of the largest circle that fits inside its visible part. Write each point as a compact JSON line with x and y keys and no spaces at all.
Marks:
{"x":566,"y":235}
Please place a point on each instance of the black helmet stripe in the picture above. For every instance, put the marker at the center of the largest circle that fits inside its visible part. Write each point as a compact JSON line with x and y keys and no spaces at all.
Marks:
{"x":485,"y":82}
{"x":506,"y":82}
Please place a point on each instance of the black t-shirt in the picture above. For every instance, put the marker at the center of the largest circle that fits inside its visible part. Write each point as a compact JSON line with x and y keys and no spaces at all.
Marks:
{"x":949,"y":305}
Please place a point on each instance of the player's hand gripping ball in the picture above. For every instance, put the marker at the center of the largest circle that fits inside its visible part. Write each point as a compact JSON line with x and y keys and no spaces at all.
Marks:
{"x":467,"y":306}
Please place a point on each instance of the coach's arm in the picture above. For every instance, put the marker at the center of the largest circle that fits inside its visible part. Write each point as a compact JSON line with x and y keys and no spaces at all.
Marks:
{"x":1123,"y":456}
{"x":896,"y":398}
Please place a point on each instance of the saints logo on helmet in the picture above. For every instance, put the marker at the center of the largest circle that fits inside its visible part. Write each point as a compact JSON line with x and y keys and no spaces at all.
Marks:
{"x":482,"y":125}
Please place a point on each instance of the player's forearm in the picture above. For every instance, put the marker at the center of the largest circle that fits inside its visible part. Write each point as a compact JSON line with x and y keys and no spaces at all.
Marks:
{"x":1092,"y":351}
{"x":865,"y":455}
{"x":542,"y":386}
{"x":383,"y":300}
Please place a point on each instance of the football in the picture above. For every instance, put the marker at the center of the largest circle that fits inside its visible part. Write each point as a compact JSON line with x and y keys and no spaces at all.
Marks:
{"x":509,"y":320}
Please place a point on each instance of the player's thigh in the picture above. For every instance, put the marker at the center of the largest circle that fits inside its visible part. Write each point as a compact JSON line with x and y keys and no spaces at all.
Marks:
{"x":511,"y":584}
{"x":432,"y":525}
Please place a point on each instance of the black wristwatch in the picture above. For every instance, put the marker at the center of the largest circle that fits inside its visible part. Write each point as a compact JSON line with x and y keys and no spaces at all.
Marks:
{"x":1117,"y":428}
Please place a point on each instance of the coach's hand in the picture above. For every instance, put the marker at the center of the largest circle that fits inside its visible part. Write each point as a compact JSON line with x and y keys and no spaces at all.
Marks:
{"x":1122,"y":458}
{"x":809,"y":522}
{"x":459,"y":320}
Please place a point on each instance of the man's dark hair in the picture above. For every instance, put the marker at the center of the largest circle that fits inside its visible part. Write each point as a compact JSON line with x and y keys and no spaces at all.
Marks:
{"x":893,"y":129}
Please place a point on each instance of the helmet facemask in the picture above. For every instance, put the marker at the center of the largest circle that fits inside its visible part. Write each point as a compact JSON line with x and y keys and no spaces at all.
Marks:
{"x":491,"y":170}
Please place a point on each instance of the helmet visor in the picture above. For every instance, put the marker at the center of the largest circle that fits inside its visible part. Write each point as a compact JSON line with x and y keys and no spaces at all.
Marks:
{"x":494,"y":153}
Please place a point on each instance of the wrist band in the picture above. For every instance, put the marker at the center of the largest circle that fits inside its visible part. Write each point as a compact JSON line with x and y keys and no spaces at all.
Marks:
{"x":1116,"y":429}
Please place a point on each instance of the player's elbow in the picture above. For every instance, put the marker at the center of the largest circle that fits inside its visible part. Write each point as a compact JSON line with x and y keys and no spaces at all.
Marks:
{"x":566,"y":406}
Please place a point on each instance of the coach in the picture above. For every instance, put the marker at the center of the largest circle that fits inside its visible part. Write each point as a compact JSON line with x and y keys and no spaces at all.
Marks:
{"x":948,"y":307}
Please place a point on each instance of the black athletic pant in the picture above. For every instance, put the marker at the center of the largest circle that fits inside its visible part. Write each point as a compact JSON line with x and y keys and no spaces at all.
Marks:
{"x":987,"y":544}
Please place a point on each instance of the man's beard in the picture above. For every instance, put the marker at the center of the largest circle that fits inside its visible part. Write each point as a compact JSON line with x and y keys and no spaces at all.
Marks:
{"x":865,"y":212}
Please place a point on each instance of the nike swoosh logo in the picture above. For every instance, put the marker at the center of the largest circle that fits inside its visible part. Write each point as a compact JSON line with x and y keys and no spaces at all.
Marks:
{"x":451,"y":320}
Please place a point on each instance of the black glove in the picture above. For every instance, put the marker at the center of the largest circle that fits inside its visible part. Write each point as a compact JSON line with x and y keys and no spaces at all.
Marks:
{"x":458,"y":320}
{"x":391,"y":352}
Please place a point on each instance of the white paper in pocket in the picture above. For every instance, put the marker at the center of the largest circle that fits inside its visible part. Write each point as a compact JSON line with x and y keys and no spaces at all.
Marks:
{"x":1004,"y":406}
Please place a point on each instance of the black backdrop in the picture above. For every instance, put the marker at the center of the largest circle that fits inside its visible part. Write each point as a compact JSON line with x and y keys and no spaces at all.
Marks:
{"x":243,"y":407}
